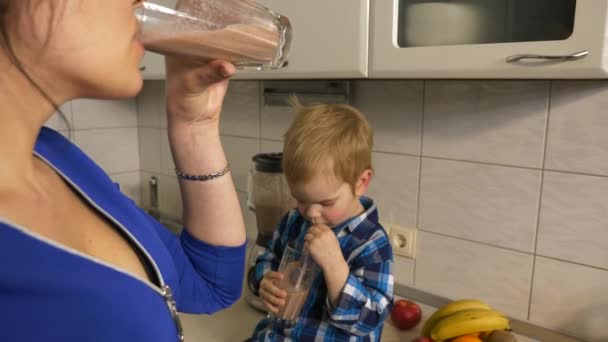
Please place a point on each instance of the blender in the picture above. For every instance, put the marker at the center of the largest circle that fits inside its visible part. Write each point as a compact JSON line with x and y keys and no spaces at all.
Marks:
{"x":270,"y":198}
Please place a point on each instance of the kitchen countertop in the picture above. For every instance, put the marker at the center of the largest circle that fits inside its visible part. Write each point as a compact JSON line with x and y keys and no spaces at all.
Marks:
{"x":236,"y":324}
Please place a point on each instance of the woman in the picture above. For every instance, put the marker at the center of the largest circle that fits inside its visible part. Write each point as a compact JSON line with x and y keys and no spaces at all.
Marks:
{"x":79,"y":261}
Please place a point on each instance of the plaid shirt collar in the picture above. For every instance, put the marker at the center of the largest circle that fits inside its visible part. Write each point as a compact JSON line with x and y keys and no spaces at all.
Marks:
{"x":352,"y":223}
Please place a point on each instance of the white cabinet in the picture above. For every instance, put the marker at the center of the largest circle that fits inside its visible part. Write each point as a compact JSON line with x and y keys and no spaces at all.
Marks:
{"x":436,"y":39}
{"x":330,"y":40}
{"x":475,"y":38}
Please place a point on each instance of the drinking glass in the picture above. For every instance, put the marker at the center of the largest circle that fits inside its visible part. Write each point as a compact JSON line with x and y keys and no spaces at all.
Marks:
{"x":241,"y":31}
{"x":299,"y":271}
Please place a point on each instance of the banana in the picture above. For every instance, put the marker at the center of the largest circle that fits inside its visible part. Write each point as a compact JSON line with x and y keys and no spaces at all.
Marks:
{"x":467,"y":322}
{"x":451,"y":308}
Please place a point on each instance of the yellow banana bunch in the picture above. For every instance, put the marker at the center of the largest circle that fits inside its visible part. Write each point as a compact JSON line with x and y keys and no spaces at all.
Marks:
{"x":467,"y":322}
{"x":449,"y":309}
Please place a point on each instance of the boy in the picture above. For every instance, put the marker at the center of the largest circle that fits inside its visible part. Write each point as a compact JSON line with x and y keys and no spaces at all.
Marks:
{"x":327,"y":164}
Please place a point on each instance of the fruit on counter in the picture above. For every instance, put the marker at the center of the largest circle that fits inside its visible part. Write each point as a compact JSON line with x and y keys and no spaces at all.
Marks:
{"x":467,"y":338}
{"x":451,"y":308}
{"x":484,"y":334}
{"x":500,"y":336}
{"x":406,"y":314}
{"x":422,"y":339}
{"x":467,"y":322}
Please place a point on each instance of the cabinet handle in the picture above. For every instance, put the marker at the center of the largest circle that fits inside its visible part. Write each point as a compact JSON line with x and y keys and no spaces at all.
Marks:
{"x":142,"y":68}
{"x":577,"y":55}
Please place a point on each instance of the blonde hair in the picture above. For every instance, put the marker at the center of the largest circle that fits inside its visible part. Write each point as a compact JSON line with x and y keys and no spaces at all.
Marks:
{"x":322,"y":136}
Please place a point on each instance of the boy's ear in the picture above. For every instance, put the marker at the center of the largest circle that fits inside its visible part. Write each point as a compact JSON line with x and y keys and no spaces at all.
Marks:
{"x":363,"y":182}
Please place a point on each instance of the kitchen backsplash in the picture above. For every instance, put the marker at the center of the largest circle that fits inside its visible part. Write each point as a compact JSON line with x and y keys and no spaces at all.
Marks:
{"x":107,"y":132}
{"x":506,"y":181}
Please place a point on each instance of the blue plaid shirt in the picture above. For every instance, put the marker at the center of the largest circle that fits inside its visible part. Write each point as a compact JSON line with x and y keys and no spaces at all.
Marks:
{"x":366,"y":297}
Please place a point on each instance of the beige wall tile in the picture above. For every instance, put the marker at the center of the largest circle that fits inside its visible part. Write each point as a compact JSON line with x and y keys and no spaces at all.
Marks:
{"x":57,"y":123}
{"x":403,"y":270}
{"x":577,"y":139}
{"x":241,"y":110}
{"x":169,"y":197}
{"x":90,"y":113}
{"x":151,"y":105}
{"x":150,"y":148}
{"x":573,"y":217}
{"x":394,"y":187}
{"x":239,"y":152}
{"x":130,"y":184}
{"x":271,"y":146}
{"x":570,"y":298}
{"x":163,"y":118}
{"x":114,"y":149}
{"x":491,"y":204}
{"x":499,"y":122}
{"x":394,"y":109}
{"x":275,"y":121}
{"x":462,"y":269}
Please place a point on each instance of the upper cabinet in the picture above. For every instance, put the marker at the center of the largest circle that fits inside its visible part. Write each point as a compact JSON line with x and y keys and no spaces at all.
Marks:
{"x":437,"y":39}
{"x":330,"y":40}
{"x":488,"y":39}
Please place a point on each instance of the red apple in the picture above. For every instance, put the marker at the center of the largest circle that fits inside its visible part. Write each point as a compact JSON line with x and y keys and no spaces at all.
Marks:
{"x":406,"y":314}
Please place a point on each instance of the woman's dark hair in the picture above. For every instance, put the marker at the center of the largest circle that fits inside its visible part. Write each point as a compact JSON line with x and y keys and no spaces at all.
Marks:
{"x":5,"y":44}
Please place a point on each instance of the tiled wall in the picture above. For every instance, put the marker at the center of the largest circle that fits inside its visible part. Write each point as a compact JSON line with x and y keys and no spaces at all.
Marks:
{"x":507,"y":182}
{"x":107,"y":132}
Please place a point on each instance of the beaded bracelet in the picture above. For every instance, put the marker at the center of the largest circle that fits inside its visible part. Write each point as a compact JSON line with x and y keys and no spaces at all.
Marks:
{"x":203,"y":178}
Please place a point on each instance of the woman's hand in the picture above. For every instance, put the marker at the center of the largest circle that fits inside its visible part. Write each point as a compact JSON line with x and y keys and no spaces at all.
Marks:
{"x":195,"y":91}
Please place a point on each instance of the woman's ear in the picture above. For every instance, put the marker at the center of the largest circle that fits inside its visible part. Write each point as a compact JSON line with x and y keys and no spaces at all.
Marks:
{"x":363,"y":182}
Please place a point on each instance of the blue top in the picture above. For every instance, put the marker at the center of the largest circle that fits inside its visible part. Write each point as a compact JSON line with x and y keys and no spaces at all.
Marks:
{"x":50,"y":292}
{"x":366,"y":297}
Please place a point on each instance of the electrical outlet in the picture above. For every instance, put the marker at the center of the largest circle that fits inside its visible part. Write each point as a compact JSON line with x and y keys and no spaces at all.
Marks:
{"x":403,"y":241}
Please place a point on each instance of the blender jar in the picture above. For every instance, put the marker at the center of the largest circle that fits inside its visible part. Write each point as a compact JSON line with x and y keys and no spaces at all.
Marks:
{"x":270,"y":198}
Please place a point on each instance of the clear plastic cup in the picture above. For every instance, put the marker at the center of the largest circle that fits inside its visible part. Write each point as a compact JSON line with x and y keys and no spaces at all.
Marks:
{"x":299,"y":271}
{"x":241,"y":31}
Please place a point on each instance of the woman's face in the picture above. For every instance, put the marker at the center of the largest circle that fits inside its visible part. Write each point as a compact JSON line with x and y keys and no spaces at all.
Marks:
{"x":78,"y":48}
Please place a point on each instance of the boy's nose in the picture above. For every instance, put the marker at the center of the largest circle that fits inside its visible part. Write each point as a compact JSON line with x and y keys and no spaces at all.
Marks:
{"x":313,"y":213}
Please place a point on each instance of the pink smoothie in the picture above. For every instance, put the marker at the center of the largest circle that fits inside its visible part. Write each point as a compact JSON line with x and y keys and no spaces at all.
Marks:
{"x":296,"y":296}
{"x":293,"y":305}
{"x":236,"y":43}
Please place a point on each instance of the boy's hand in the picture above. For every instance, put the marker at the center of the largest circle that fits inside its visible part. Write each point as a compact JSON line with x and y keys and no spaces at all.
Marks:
{"x":272,"y":295}
{"x":323,"y":246}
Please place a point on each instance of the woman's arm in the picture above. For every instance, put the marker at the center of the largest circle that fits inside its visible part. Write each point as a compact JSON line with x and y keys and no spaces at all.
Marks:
{"x":194,"y":99}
